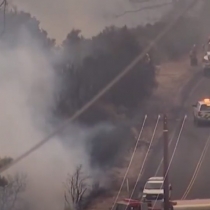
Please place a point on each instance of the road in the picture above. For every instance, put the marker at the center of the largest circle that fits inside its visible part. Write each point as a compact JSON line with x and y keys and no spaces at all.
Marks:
{"x":189,"y":148}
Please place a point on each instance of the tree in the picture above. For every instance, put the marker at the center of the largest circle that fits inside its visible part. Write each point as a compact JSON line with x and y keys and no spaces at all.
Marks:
{"x":76,"y":187}
{"x":4,"y":162}
{"x":10,"y":188}
{"x":17,"y":23}
{"x":73,"y":47}
{"x":110,"y":52}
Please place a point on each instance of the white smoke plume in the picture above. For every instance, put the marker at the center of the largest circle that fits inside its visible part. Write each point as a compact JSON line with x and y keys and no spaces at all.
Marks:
{"x":27,"y":85}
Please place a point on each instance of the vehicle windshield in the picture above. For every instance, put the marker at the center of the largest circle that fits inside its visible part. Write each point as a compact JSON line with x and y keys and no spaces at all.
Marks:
{"x":204,"y":107}
{"x":154,"y":186}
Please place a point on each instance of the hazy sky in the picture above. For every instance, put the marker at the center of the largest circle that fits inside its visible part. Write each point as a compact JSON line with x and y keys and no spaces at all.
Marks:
{"x":58,"y":17}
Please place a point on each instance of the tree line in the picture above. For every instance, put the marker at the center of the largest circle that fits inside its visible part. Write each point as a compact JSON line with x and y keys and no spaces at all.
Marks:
{"x":87,"y":65}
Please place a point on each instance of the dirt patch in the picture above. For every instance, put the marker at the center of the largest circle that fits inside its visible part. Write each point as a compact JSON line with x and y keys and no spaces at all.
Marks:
{"x":171,"y":78}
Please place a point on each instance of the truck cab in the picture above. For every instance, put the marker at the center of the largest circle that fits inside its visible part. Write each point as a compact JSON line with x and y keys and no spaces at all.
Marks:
{"x":154,"y":190}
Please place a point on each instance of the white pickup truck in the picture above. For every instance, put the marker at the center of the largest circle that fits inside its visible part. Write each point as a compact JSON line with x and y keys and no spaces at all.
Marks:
{"x":153,"y":189}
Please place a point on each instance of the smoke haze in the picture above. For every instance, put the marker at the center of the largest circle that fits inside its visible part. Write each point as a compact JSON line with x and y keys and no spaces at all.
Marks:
{"x":91,"y":16}
{"x":27,"y":89}
{"x":27,"y":98}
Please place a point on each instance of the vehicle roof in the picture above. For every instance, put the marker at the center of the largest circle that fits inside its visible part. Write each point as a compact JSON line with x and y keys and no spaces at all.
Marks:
{"x":156,"y":178}
{"x":155,"y":181}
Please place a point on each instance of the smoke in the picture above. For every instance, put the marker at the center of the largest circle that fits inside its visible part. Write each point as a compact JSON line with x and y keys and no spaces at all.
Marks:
{"x":27,"y":86}
{"x":91,"y":16}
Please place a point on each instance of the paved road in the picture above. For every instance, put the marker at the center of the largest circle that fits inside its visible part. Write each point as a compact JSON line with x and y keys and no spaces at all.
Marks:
{"x":189,"y":148}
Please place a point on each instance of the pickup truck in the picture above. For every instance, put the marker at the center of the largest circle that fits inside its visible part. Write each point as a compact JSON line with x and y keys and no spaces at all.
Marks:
{"x":153,"y":190}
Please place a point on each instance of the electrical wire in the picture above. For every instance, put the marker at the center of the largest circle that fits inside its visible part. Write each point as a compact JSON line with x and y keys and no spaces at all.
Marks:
{"x":143,"y":9}
{"x":103,"y":91}
{"x":191,"y":92}
{"x":197,"y":169}
{"x":172,"y":157}
{"x":145,"y":158}
{"x":131,"y":160}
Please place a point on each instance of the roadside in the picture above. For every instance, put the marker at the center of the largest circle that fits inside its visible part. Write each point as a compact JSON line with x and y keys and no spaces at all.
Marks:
{"x":171,"y":78}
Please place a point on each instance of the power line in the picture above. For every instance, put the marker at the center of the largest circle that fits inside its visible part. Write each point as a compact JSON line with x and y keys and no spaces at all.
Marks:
{"x":172,"y":157}
{"x":104,"y":90}
{"x":143,"y":9}
{"x":144,"y":161}
{"x":197,"y":169}
{"x":131,"y":160}
{"x":178,"y":119}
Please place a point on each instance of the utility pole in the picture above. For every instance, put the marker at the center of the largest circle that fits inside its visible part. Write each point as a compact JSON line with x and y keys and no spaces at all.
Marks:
{"x":165,"y":162}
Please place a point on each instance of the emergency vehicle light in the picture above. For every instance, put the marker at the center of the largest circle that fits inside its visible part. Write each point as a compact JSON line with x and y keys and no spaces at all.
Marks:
{"x":206,"y":100}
